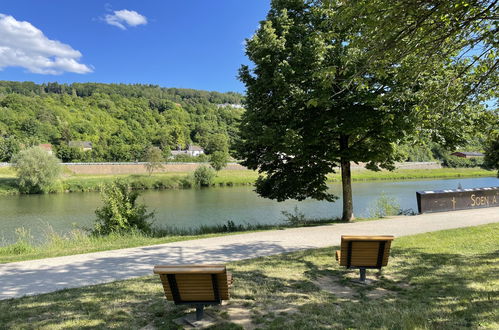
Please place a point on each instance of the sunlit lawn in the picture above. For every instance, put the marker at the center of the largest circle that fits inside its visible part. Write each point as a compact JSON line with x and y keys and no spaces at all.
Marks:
{"x":441,"y":280}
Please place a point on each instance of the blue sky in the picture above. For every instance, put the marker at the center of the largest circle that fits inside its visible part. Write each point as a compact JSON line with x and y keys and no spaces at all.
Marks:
{"x":186,"y":44}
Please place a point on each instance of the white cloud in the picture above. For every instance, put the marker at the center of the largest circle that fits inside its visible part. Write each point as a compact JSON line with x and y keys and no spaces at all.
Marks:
{"x":124,"y":17}
{"x":23,"y":45}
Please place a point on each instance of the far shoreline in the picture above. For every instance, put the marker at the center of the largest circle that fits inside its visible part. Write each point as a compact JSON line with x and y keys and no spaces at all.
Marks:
{"x":71,"y":182}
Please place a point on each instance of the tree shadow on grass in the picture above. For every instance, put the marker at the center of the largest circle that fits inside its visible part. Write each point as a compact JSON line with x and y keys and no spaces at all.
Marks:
{"x":446,"y":291}
{"x":75,"y":271}
{"x":126,"y":305}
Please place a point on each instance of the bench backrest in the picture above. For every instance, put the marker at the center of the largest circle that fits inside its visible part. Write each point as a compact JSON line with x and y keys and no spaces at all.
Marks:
{"x":365,"y":251}
{"x":194,"y":283}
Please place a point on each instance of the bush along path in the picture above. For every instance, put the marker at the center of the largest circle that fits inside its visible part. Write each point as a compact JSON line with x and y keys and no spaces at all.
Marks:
{"x":47,"y":275}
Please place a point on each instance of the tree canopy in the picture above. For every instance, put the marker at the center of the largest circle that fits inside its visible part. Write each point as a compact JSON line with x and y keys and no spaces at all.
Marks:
{"x":318,"y":99}
{"x":463,"y":33}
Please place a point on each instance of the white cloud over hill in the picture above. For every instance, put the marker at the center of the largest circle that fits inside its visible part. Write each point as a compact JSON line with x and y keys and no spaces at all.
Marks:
{"x":23,"y":45}
{"x":124,"y":17}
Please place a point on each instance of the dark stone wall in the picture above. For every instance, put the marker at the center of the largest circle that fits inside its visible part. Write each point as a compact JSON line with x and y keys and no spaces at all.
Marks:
{"x":459,"y":199}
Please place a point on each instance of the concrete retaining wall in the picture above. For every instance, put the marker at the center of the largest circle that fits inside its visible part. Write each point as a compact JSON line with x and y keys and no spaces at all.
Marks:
{"x":137,"y":168}
{"x":406,"y":166}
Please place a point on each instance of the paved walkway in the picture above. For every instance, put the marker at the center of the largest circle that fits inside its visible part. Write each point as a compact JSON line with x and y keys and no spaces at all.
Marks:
{"x":46,"y":275}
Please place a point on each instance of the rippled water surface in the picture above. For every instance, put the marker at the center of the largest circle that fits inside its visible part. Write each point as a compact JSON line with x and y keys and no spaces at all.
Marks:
{"x":193,"y":207}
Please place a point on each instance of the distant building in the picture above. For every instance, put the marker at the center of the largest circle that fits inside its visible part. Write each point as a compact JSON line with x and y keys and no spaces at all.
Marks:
{"x":83,"y":145}
{"x":235,"y":106}
{"x":465,"y":154}
{"x":190,"y":151}
{"x":47,"y":147}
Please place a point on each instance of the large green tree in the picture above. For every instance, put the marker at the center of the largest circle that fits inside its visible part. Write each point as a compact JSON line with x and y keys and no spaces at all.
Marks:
{"x":310,"y":109}
{"x":154,"y":159}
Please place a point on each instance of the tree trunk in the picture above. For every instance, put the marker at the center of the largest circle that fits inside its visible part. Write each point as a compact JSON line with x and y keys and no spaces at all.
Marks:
{"x":346,"y":182}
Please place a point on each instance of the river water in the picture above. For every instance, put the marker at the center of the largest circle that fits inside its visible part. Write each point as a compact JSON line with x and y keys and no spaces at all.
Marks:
{"x":193,"y":207}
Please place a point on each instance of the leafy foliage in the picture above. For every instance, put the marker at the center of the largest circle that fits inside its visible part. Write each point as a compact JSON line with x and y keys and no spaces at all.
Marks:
{"x":461,"y":33}
{"x":296,"y":218}
{"x":154,"y":159}
{"x":8,"y":148}
{"x":491,"y":160}
{"x":120,"y":212}
{"x":218,"y":160}
{"x":36,"y":170}
{"x":204,"y":176}
{"x":385,"y":206}
{"x":121,"y":121}
{"x":216,"y":142}
{"x":68,"y":154}
{"x":460,"y":162}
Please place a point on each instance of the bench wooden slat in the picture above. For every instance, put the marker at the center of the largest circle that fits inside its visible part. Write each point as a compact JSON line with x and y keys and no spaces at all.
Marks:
{"x":186,"y":269}
{"x":367,"y":238}
{"x":364,"y":250}
{"x":194,"y":282}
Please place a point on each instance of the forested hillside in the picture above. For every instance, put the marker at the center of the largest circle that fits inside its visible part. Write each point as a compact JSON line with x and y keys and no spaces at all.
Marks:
{"x":121,"y":121}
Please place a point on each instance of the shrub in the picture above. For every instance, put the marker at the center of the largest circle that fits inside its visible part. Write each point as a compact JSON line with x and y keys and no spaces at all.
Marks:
{"x":385,"y":206}
{"x":154,"y":159}
{"x":120,"y":212}
{"x":460,"y":162}
{"x":491,"y":160}
{"x":218,"y":160}
{"x":36,"y":170}
{"x":204,"y":176}
{"x":296,"y":218}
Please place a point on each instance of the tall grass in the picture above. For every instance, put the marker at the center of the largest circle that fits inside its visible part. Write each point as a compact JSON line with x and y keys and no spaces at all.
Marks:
{"x":384,"y":206}
{"x":79,"y":240}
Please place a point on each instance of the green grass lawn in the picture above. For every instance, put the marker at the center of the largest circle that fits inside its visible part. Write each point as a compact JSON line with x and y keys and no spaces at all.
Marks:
{"x":78,"y":242}
{"x":440,"y":280}
{"x":408,"y":174}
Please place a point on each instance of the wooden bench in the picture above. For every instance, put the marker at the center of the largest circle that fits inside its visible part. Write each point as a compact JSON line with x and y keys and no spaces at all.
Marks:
{"x":364,"y":252}
{"x":197,"y":285}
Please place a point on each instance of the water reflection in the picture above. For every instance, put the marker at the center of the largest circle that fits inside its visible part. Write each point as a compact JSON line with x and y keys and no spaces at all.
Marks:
{"x":193,"y":207}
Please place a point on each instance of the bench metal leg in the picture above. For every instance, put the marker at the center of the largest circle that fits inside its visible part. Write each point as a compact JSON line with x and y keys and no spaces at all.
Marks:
{"x":362,"y":279}
{"x":362,"y":275}
{"x":199,"y":312}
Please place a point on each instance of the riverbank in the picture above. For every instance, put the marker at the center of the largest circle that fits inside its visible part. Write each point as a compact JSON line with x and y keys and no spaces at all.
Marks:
{"x":78,"y":241}
{"x":443,"y":279}
{"x":182,"y":180}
